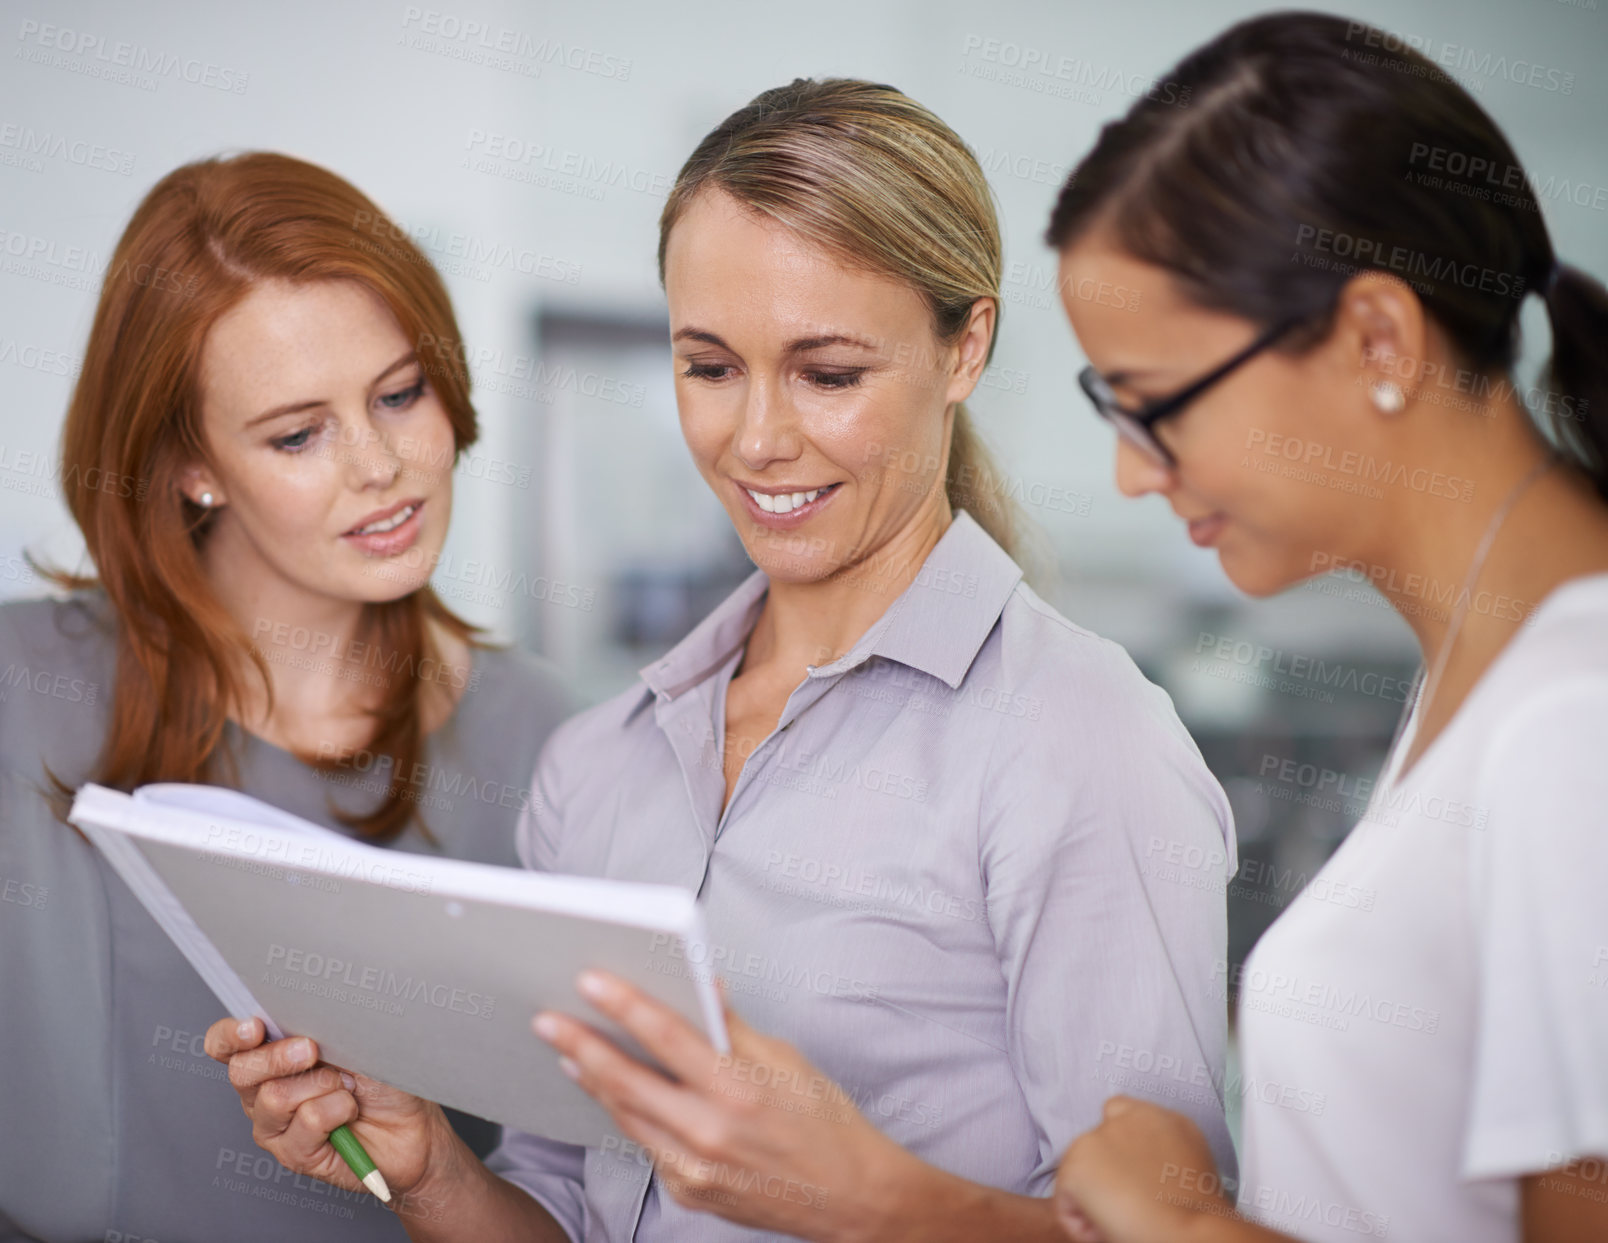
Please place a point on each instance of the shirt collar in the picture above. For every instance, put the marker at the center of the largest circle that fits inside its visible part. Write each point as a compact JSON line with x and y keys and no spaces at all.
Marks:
{"x":937,"y":624}
{"x":711,"y":642}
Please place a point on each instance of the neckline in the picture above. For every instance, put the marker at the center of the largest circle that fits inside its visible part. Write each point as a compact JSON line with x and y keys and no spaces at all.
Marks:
{"x":252,"y":738}
{"x":1548,"y":605}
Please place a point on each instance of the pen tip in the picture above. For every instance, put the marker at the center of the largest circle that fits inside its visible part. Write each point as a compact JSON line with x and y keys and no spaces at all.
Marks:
{"x":375,"y":1182}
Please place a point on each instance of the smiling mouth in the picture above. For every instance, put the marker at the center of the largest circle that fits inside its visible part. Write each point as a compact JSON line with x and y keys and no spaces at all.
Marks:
{"x":787,"y":502}
{"x":387,"y":524}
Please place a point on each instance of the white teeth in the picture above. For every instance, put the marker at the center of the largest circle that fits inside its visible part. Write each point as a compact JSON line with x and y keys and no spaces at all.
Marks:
{"x":387,"y":524}
{"x":785,"y":502}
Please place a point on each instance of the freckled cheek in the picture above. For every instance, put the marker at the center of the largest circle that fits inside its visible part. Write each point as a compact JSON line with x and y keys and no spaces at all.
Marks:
{"x":290,"y":492}
{"x":293,"y":518}
{"x":439,"y":512}
{"x":428,"y":449}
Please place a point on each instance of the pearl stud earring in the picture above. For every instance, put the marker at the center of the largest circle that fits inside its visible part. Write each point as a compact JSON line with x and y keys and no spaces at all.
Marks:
{"x":1388,"y":397}
{"x":206,"y":500}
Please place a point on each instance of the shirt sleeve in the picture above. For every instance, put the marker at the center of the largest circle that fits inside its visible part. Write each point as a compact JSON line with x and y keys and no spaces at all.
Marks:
{"x":1107,"y":848}
{"x":551,"y":1172}
{"x":539,"y":830}
{"x":1539,"y":1095}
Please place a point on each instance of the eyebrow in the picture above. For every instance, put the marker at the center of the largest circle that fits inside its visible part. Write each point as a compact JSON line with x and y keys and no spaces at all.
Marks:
{"x":797,"y":346}
{"x":296,"y":407}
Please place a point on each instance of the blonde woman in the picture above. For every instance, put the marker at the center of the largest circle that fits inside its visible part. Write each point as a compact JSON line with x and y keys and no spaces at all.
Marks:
{"x":914,"y":799}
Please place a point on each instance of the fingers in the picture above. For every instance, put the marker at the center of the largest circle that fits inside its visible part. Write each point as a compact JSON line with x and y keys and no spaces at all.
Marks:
{"x":1116,"y":1106}
{"x":227,"y":1037}
{"x":679,"y":1046}
{"x":274,"y":1060}
{"x":1068,"y":1211}
{"x":641,"y":1100}
{"x":278,"y":1100}
{"x":737,"y":1031}
{"x":661,"y":1147}
{"x":684,"y":1174}
{"x":305,"y":1133}
{"x":1078,"y":1227}
{"x":615,"y":1078}
{"x":292,"y":1115}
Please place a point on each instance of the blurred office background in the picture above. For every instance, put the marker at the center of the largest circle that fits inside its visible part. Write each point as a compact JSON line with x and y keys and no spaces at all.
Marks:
{"x":528,"y":148}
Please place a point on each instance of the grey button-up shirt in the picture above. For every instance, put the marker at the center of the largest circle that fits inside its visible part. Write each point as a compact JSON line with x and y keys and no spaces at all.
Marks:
{"x":933,"y":878}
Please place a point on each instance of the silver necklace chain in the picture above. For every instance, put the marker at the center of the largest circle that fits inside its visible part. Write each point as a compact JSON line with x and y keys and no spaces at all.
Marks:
{"x":1429,"y":685}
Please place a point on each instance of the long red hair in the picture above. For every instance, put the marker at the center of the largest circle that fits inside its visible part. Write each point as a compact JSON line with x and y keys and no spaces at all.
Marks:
{"x":197,"y":243}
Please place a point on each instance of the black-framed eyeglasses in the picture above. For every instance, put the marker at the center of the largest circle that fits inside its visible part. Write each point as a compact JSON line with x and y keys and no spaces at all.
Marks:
{"x":1134,"y":424}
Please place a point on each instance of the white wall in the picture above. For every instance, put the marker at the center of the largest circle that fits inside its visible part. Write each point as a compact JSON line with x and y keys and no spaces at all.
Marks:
{"x":348,"y":86}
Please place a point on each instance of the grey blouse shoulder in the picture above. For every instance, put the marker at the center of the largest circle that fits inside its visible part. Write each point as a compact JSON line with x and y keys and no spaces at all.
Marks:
{"x":100,"y":1017}
{"x":57,"y":662}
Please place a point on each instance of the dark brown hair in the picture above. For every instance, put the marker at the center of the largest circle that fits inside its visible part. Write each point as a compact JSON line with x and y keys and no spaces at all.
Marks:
{"x":1313,"y":148}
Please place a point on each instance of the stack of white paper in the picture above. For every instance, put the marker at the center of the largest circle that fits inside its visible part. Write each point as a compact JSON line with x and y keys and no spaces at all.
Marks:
{"x":419,"y":971}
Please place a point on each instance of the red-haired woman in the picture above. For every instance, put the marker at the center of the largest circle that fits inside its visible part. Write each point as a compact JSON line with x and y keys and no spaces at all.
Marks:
{"x":261,"y":465}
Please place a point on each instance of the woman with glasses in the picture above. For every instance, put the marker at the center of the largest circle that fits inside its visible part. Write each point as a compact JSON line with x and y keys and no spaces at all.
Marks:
{"x":1323,"y":377}
{"x":920,"y":807}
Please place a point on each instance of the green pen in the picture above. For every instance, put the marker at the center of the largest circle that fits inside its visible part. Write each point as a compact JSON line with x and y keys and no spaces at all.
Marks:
{"x":344,"y":1142}
{"x":341,"y":1138}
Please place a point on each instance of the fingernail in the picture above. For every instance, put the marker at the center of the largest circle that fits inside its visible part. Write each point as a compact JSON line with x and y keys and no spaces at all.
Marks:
{"x":301,"y":1051}
{"x":546,"y":1026}
{"x":593,"y":986}
{"x":245,"y":1027}
{"x":569,"y":1068}
{"x":347,"y":1082}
